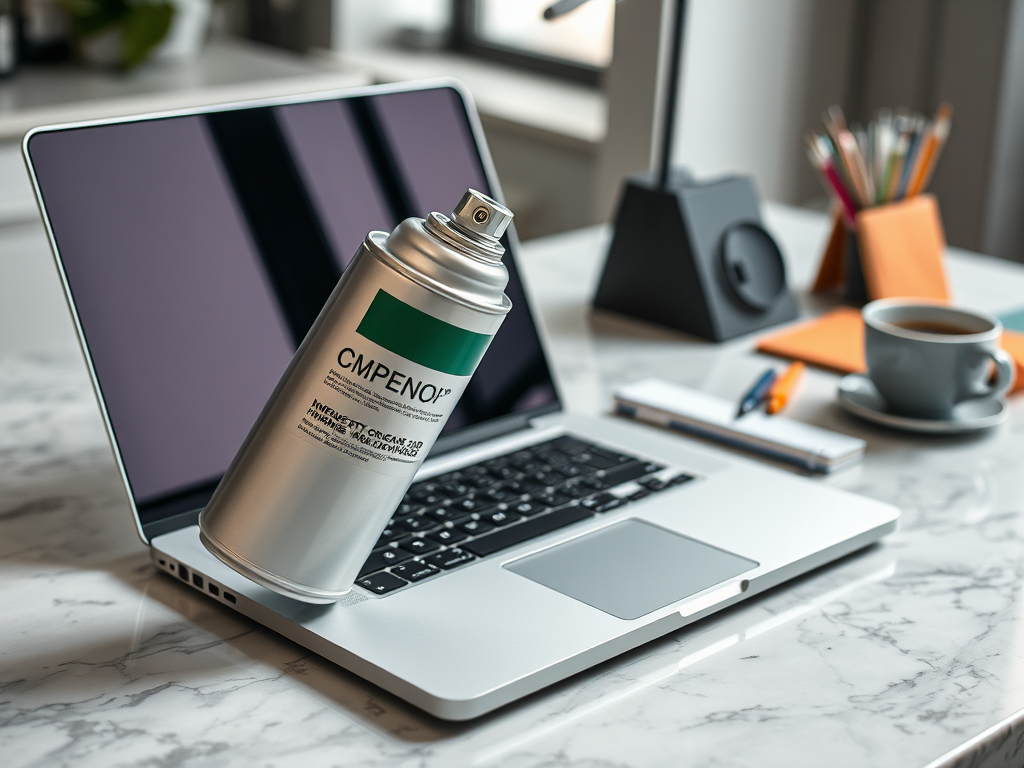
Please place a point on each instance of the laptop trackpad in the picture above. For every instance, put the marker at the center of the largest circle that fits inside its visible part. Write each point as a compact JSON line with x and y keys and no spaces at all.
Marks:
{"x":631,"y":568}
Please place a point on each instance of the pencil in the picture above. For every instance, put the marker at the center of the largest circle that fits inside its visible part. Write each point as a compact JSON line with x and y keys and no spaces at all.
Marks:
{"x":858,"y":171}
{"x":882,"y":193}
{"x":885,"y":139}
{"x":910,"y":161}
{"x":846,"y":203}
{"x":835,"y":120}
{"x":892,"y":183}
{"x":929,"y":155}
{"x":828,"y":151}
{"x":890,"y":158}
{"x":885,"y":155}
{"x":835,"y":123}
{"x":831,"y":181}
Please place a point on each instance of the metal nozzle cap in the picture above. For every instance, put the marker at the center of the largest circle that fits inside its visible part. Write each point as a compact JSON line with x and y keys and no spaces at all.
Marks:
{"x":479,"y":214}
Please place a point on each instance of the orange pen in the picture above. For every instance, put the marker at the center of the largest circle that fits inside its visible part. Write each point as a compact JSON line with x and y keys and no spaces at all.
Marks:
{"x":779,"y":394}
{"x":935,"y":141}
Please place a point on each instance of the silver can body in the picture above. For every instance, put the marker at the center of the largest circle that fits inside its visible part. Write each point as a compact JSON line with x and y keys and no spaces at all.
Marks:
{"x":363,"y":400}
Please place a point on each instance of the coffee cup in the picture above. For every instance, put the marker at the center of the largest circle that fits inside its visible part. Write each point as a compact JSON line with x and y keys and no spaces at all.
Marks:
{"x":926,"y":358}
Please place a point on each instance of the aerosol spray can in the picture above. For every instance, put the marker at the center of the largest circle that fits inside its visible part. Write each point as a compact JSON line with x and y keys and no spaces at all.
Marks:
{"x":367,"y":393}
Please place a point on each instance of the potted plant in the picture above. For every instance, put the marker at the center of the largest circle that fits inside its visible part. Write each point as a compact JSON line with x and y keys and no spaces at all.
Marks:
{"x":119,"y":33}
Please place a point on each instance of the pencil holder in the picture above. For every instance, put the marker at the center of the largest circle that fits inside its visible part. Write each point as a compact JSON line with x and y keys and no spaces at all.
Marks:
{"x":894,"y":250}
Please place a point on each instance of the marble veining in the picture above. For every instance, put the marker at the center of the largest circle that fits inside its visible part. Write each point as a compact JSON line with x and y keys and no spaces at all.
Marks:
{"x":896,"y":656}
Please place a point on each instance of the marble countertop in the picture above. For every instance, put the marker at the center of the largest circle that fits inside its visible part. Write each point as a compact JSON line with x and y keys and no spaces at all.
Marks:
{"x":226,"y":70}
{"x":908,"y":654}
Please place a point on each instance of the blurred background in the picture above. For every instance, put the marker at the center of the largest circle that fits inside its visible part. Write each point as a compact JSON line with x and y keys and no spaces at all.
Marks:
{"x":569,"y":106}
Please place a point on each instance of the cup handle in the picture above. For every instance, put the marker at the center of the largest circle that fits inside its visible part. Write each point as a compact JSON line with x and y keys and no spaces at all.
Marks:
{"x":1005,"y":373}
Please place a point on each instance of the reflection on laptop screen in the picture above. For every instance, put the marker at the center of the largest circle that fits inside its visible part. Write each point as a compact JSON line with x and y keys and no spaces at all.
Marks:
{"x":200,"y":249}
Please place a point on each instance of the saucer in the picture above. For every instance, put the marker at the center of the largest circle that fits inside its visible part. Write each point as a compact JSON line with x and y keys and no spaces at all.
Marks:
{"x":858,"y":395}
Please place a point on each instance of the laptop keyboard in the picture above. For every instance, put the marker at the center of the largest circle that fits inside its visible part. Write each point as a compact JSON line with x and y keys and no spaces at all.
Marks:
{"x":454,"y":519}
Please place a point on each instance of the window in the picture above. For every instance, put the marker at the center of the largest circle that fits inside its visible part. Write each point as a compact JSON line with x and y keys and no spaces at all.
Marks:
{"x":577,"y":45}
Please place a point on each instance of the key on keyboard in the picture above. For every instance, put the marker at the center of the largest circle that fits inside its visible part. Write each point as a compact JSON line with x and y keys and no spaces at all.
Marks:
{"x":517,"y":534}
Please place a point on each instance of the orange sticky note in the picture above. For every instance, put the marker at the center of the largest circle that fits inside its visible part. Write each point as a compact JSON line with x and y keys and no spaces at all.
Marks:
{"x":1013,"y":342}
{"x":901,"y":247}
{"x":835,"y":340}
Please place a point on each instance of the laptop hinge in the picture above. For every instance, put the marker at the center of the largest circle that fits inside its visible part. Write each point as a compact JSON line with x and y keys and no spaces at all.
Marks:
{"x":172,"y":523}
{"x":489,"y":430}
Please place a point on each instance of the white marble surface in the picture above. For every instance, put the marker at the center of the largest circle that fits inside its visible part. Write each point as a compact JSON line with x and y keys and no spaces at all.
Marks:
{"x":896,"y":656}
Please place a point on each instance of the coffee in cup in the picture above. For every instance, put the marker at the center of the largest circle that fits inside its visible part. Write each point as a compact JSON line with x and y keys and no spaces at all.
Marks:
{"x":926,"y":358}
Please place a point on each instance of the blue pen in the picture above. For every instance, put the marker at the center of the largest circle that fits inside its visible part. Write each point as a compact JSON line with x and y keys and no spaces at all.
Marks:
{"x":758,"y":393}
{"x":909,"y":161}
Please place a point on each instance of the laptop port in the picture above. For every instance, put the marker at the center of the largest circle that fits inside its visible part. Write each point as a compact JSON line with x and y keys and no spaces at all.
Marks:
{"x":229,"y":597}
{"x":197,"y":580}
{"x":214,"y":589}
{"x":183,"y":572}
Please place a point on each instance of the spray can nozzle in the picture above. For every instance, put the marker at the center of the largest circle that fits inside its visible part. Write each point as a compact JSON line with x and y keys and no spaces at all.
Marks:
{"x":479,"y":214}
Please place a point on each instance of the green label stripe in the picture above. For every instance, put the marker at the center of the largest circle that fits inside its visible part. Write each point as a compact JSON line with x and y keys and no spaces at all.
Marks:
{"x":419,"y":337}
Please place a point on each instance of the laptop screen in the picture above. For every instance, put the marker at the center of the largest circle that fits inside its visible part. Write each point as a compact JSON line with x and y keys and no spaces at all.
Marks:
{"x":199,"y":250}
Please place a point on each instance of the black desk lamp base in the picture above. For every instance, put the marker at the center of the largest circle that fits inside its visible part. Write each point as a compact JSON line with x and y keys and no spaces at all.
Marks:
{"x":693,"y":256}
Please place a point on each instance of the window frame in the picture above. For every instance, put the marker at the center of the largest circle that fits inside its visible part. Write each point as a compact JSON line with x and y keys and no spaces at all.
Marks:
{"x":464,"y":39}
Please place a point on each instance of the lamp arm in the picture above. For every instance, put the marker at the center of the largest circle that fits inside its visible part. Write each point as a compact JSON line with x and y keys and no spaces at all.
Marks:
{"x":668,"y":125}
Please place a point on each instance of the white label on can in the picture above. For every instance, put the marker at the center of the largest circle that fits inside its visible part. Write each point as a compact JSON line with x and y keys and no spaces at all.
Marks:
{"x":389,"y":388}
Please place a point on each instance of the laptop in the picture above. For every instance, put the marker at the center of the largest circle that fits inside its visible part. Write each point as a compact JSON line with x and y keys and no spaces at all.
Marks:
{"x":197,"y":247}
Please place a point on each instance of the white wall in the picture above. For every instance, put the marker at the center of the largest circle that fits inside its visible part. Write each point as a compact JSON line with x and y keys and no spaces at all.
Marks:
{"x":755,"y":75}
{"x":363,"y":24}
{"x":743,"y":61}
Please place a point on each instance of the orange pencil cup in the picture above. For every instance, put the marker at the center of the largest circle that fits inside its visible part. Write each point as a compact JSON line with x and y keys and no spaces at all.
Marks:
{"x":895,"y":250}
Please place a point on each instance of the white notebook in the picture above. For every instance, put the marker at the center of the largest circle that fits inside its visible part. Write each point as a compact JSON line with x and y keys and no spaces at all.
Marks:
{"x":687,"y":410}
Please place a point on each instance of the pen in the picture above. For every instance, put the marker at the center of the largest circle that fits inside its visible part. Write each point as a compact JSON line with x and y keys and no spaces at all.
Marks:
{"x":784,"y":386}
{"x":757,"y":393}
{"x":561,"y":7}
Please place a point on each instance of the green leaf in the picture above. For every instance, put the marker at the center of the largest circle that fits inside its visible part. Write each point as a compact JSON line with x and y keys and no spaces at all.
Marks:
{"x":142,"y":30}
{"x":94,"y":16}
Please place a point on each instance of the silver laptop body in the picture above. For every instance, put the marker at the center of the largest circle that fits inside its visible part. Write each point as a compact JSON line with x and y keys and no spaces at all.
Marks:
{"x":176,"y":236}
